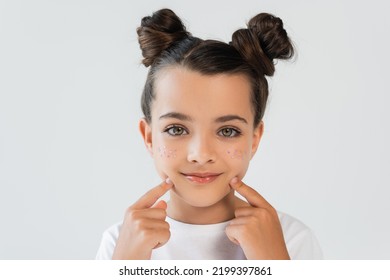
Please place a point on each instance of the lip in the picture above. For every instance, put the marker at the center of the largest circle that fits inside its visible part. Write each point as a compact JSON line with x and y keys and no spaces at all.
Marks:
{"x":201,"y":178}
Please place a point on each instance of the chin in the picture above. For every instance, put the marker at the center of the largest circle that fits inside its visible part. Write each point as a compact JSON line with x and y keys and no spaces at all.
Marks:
{"x":203,"y":200}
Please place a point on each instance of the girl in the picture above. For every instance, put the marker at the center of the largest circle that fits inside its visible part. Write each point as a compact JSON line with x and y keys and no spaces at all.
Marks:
{"x":203,"y":105}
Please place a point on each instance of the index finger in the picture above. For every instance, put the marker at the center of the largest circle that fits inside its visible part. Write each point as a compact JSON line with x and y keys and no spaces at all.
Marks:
{"x":149,"y":198}
{"x":251,"y":195}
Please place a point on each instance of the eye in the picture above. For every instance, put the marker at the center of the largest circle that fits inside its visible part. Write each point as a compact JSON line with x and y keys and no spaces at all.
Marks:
{"x":175,"y":130}
{"x":229,"y":132}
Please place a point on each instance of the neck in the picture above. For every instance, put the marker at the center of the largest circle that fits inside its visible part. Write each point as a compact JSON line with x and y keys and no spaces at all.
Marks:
{"x":220,"y":212}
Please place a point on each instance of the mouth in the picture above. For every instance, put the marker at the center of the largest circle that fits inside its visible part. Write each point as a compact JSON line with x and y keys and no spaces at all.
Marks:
{"x":201,"y":178}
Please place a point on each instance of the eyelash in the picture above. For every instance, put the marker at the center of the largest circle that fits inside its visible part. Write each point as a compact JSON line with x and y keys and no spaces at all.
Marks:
{"x":171,"y":127}
{"x":169,"y":131}
{"x":235,"y":132}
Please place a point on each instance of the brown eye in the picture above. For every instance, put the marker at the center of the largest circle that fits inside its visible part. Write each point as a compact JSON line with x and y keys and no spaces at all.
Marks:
{"x":229,"y":132}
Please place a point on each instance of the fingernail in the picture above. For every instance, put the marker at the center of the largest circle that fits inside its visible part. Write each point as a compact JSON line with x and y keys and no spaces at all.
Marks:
{"x":168,"y":181}
{"x":234,"y":180}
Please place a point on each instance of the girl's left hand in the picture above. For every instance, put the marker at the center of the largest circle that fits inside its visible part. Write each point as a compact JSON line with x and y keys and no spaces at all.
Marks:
{"x":256,"y":228}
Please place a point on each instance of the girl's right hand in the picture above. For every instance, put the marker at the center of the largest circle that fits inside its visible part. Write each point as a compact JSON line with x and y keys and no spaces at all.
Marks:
{"x":144,"y":227}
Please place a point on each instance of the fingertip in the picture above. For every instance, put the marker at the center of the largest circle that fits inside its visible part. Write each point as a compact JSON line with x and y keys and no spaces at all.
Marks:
{"x":233,"y":182}
{"x":235,"y":241}
{"x":231,"y":238}
{"x":168,"y":181}
{"x":161,"y":205}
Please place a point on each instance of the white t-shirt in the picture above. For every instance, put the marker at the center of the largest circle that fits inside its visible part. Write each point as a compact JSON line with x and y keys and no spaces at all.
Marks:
{"x":209,"y":242}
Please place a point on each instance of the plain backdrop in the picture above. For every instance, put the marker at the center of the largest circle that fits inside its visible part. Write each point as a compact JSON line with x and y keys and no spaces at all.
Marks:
{"x":72,"y":160}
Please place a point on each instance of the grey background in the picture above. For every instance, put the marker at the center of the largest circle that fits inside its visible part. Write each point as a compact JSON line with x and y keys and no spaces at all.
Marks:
{"x":71,"y":158}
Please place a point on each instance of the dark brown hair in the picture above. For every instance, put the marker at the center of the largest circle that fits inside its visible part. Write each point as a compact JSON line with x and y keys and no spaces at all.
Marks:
{"x":164,"y":42}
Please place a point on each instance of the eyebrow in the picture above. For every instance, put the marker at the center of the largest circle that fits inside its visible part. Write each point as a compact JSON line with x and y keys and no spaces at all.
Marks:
{"x":183,"y":117}
{"x":175,"y":115}
{"x":230,"y":118}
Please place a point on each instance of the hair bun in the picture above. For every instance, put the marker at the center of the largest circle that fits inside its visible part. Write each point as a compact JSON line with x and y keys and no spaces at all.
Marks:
{"x":158,"y":32}
{"x":263,"y":41}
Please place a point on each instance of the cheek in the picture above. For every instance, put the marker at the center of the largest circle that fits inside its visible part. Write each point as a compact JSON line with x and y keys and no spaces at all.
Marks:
{"x":237,"y":154}
{"x":165,"y":160}
{"x":238,"y":159}
{"x":166,"y":153}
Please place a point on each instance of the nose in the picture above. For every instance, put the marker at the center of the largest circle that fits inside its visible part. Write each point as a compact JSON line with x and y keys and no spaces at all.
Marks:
{"x":201,"y":150}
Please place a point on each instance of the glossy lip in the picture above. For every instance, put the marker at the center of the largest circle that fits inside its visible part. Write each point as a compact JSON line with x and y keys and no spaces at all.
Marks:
{"x":201,"y":178}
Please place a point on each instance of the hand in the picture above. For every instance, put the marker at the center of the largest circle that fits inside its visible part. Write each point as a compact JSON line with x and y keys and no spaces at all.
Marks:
{"x":144,"y":227}
{"x":256,"y":228}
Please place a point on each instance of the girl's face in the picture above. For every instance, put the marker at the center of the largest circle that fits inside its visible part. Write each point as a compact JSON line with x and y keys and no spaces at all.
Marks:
{"x":201,"y":134}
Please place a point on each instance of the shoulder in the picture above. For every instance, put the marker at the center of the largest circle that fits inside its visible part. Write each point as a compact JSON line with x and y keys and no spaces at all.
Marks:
{"x":291,"y":224}
{"x":113,"y":230}
{"x":300,"y":239}
{"x":108,"y":242}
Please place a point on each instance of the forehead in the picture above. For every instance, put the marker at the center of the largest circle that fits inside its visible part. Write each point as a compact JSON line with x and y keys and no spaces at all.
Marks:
{"x":178,"y":88}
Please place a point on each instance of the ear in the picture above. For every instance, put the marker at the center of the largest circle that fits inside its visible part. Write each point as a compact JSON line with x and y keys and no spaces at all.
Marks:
{"x":257,"y":134}
{"x":146,"y":132}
